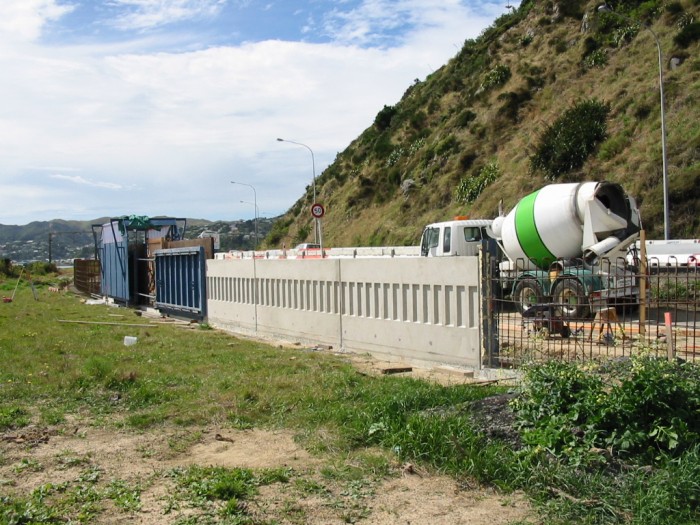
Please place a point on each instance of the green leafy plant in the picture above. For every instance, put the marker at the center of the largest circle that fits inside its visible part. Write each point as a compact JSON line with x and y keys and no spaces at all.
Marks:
{"x":395,"y":157}
{"x":302,"y":233}
{"x":673,"y":291}
{"x":13,"y":417}
{"x":469,"y":188}
{"x":226,"y":489}
{"x":496,"y":77}
{"x":566,"y":144}
{"x":383,"y":119}
{"x":625,"y":33}
{"x":640,"y":409}
{"x":597,"y":58}
{"x":465,"y":118}
{"x":688,"y":35}
{"x":125,"y":496}
{"x":446,"y":145}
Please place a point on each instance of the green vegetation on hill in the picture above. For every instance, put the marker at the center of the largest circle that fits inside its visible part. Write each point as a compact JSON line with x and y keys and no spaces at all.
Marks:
{"x":75,"y":240}
{"x":554,"y":91}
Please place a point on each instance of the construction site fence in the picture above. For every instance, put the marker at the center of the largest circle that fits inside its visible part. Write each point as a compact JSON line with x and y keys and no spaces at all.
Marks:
{"x":662,"y":321}
{"x":86,"y":275}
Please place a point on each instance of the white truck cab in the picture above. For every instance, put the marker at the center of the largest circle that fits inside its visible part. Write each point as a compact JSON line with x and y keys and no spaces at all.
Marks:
{"x":459,"y":237}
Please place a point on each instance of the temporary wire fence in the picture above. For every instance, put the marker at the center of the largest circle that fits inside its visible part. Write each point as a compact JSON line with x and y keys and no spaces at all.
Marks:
{"x":655,"y":312}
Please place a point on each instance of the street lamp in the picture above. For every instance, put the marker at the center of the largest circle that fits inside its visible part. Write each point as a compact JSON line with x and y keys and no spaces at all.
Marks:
{"x":317,"y":226}
{"x":255,"y":196}
{"x":605,"y":8}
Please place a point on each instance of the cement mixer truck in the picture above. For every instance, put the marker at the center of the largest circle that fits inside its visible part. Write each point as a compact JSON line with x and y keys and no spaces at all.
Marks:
{"x":566,"y":244}
{"x":563,"y":245}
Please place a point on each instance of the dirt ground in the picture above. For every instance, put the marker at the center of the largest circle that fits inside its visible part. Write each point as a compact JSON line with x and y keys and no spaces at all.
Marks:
{"x":408,"y":494}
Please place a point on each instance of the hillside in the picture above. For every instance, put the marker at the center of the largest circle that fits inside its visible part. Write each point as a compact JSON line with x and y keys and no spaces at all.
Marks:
{"x":74,"y":239}
{"x":552,"y":91}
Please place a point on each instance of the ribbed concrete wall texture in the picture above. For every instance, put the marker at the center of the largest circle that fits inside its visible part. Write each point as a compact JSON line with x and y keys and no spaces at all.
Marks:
{"x":423,"y":310}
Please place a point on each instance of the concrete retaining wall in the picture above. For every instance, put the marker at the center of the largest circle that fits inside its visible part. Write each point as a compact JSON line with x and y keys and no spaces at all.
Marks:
{"x":401,"y":309}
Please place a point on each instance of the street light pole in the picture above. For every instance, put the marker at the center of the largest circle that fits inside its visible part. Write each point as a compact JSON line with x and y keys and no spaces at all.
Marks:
{"x":317,"y":226}
{"x":605,"y":8}
{"x":257,"y":214}
{"x":255,"y":197}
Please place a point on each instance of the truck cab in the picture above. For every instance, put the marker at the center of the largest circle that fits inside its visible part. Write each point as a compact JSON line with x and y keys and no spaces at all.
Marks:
{"x":459,"y":237}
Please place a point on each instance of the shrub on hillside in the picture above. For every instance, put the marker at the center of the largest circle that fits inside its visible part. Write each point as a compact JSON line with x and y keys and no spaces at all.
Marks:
{"x":567,"y":143}
{"x":279,"y":230}
{"x":512,"y":102}
{"x":469,"y":188}
{"x":496,"y":77}
{"x":465,"y":117}
{"x":383,"y":119}
{"x":688,"y":35}
{"x":302,"y":233}
{"x":597,"y":58}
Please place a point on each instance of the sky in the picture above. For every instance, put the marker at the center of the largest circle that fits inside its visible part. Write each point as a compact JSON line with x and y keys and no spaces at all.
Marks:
{"x":153,"y":107}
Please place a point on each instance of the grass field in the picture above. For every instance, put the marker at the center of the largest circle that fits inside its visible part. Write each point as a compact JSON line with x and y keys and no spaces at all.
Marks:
{"x":94,"y":431}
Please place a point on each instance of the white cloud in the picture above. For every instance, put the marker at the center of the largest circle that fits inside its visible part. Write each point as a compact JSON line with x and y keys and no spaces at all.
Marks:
{"x":145,"y":14}
{"x":388,"y":22}
{"x":77,"y":179}
{"x":25,"y":19}
{"x":163,"y":133}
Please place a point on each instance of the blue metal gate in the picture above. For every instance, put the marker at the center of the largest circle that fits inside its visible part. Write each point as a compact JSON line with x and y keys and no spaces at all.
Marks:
{"x":114,"y":256}
{"x":181,"y":282}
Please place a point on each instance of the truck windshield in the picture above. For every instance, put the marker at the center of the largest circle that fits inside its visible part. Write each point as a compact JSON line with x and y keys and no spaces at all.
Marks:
{"x":431,"y":237}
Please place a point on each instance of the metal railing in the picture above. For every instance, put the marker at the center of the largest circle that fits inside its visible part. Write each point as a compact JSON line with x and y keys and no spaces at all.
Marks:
{"x":657,"y":312}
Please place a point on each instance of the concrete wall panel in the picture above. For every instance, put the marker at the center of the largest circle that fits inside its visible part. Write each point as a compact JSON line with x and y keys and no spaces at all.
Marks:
{"x":417,"y":309}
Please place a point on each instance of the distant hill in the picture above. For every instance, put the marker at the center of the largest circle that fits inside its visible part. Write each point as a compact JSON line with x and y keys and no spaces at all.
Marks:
{"x":74,"y":239}
{"x":553,"y":91}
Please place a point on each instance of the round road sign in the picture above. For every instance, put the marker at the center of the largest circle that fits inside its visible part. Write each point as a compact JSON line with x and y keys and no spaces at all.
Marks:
{"x":317,"y":210}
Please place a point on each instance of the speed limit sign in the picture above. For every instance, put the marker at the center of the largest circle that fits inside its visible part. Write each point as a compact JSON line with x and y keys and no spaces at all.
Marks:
{"x":317,"y":210}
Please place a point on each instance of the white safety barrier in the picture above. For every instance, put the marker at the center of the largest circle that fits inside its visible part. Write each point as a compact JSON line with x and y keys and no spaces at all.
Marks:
{"x":400,"y":309}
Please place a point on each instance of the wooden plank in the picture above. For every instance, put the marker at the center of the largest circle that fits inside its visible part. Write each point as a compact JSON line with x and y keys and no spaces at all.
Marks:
{"x":397,"y":370}
{"x":103,"y":323}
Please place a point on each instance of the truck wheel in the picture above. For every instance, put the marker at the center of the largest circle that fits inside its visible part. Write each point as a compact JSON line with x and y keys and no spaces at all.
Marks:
{"x":527,"y":293}
{"x":571,"y":299}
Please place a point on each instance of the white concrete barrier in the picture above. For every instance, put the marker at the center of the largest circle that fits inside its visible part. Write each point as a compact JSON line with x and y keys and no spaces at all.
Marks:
{"x":399,"y":309}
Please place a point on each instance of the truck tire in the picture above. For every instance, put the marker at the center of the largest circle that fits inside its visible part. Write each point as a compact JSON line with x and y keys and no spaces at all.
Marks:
{"x":571,"y":299}
{"x":527,"y":293}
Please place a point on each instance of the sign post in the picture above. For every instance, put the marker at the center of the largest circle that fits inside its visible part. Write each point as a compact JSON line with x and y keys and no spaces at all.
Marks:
{"x":318,"y":211}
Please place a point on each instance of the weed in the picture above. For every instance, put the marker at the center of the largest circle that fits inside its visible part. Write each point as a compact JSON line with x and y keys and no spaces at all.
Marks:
{"x":642,"y":410}
{"x":181,"y":442}
{"x":125,"y":497}
{"x":222,"y":491}
{"x":13,"y":417}
{"x":601,"y":445}
{"x":586,"y":426}
{"x":68,"y":459}
{"x":28,"y":464}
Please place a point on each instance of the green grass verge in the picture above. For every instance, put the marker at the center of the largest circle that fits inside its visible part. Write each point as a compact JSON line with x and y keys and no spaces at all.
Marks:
{"x":53,"y":372}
